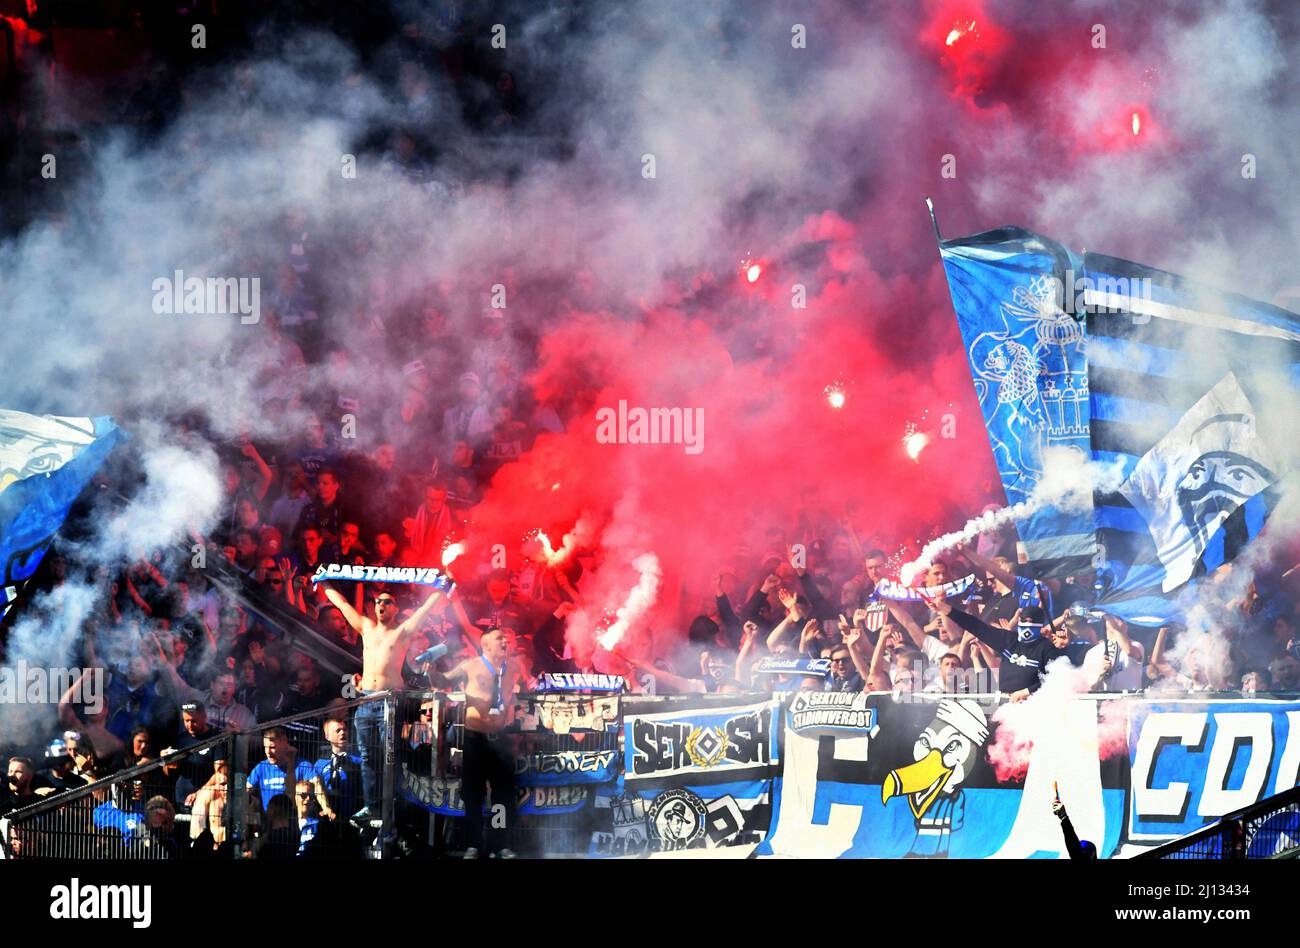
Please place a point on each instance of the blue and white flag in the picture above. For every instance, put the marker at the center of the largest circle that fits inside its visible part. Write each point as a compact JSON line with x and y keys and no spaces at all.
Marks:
{"x":1193,"y":393}
{"x":1027,"y":361}
{"x":45,"y":462}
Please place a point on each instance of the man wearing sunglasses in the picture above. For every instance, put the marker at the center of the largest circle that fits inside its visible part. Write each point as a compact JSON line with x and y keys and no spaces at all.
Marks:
{"x":843,"y":676}
{"x":384,"y":643}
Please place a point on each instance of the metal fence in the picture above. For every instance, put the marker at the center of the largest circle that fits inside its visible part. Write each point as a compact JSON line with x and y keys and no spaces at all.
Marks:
{"x":142,"y":812}
{"x":548,"y":819}
{"x":1268,"y":829}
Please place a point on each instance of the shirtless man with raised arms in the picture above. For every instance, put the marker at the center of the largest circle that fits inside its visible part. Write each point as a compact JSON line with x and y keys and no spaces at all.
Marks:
{"x":384,"y":642}
{"x":489,"y":682}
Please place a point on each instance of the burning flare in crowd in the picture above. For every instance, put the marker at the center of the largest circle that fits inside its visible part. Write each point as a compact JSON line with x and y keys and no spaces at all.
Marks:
{"x":835,"y":395}
{"x":914,"y":441}
{"x":638,"y":602}
{"x":1137,"y":123}
{"x":453,"y":550}
{"x":959,"y":31}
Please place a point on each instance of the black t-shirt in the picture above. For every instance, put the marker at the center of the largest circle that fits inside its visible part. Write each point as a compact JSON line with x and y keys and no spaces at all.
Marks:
{"x":197,"y":767}
{"x":11,"y":801}
{"x":48,"y":778}
{"x":1022,"y":663}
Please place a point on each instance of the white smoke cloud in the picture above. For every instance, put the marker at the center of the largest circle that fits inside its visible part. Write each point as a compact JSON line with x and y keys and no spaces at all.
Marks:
{"x":1067,"y":483}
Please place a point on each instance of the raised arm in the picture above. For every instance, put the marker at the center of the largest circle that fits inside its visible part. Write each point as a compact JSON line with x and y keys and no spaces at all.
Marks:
{"x":775,"y":636}
{"x":1006,"y":577}
{"x":683,"y":685}
{"x":67,"y":716}
{"x":1158,"y":667}
{"x":749,"y":636}
{"x":171,"y":677}
{"x":819,"y":607}
{"x":856,"y":642}
{"x":902,"y":617}
{"x":458,"y":610}
{"x":758,"y":597}
{"x":264,"y":475}
{"x":1117,"y":629}
{"x":964,"y":620}
{"x":413,"y":624}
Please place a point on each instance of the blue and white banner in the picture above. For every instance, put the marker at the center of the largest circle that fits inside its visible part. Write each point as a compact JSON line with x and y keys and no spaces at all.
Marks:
{"x":889,"y":589}
{"x":832,"y":712}
{"x":649,"y":822}
{"x":575,"y":681}
{"x":1192,"y":397}
{"x":1192,"y":762}
{"x":442,"y":795}
{"x":804,"y":667}
{"x":415,"y":575}
{"x":1028,"y":364}
{"x":45,"y":462}
{"x":932,"y":779}
{"x":700,"y":746}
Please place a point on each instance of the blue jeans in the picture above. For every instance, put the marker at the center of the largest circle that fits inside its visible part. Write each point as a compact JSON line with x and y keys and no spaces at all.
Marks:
{"x":369,"y":725}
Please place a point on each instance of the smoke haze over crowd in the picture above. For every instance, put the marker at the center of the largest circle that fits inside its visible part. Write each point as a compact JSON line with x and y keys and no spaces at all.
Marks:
{"x":811,"y":160}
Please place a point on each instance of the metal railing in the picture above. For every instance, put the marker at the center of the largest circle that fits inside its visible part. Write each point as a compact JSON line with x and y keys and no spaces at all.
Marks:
{"x":1269,"y":829}
{"x":133,"y":814}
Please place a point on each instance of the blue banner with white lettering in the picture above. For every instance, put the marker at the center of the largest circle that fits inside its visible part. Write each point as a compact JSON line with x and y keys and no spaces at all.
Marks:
{"x":1192,"y":762}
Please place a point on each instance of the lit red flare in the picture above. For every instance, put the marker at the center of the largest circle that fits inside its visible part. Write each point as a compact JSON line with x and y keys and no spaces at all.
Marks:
{"x":958,"y":31}
{"x":914,"y":441}
{"x":835,"y":395}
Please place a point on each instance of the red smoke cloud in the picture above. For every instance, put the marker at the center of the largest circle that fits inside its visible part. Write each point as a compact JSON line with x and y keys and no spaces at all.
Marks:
{"x":772,"y":447}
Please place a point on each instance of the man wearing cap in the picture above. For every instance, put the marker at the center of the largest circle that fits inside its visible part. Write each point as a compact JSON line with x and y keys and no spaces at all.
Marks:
{"x":196,"y":767}
{"x":470,"y":419}
{"x":384,"y":643}
{"x":57,"y":775}
{"x":1025,"y":651}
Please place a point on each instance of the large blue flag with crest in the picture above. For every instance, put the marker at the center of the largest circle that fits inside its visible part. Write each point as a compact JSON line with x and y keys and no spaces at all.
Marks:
{"x":1185,"y":393}
{"x":1027,"y":359}
{"x":45,"y":462}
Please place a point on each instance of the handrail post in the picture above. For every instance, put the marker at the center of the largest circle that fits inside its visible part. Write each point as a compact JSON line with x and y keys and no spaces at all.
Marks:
{"x":238,"y":793}
{"x":390,"y":769}
{"x":1237,"y":836}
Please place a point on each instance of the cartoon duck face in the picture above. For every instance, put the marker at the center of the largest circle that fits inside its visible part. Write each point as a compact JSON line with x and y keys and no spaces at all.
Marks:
{"x":943,"y":754}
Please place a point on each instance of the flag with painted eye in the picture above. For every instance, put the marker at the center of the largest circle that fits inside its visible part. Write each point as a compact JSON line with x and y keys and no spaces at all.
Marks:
{"x":1192,"y":396}
{"x":45,"y":462}
{"x":1025,"y":346}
